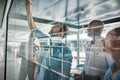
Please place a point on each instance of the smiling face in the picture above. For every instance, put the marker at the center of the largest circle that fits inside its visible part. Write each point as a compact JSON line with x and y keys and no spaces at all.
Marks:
{"x":112,"y":44}
{"x":116,"y":50}
{"x":110,"y":39}
{"x":60,"y":30}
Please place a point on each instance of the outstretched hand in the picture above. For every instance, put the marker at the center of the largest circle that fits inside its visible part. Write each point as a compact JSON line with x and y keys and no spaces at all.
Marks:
{"x":28,"y":4}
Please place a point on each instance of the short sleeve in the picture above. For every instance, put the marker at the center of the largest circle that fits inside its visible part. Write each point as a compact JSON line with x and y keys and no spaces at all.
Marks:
{"x":37,"y":33}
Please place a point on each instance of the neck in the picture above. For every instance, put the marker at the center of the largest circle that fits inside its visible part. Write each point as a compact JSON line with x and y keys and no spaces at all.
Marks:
{"x":95,"y":37}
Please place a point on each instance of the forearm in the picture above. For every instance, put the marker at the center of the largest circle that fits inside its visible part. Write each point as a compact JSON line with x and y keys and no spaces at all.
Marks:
{"x":31,"y":22}
{"x":30,"y":19}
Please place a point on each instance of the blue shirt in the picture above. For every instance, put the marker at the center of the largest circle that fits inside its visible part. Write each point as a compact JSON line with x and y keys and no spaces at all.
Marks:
{"x":109,"y":73}
{"x":38,"y":34}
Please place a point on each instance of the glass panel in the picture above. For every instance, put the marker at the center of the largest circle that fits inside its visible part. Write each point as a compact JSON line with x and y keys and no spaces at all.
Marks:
{"x":59,"y":46}
{"x":51,"y":56}
{"x":17,"y":52}
{"x":2,"y":38}
{"x":2,"y":55}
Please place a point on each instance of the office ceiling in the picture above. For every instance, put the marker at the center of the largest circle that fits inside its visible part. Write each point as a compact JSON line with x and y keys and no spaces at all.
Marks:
{"x":73,"y":12}
{"x":68,"y":11}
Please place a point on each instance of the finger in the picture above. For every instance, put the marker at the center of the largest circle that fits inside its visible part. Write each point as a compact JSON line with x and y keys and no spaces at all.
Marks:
{"x":28,"y":1}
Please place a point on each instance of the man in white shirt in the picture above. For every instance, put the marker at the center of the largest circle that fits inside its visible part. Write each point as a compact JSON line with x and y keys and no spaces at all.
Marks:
{"x":96,"y":59}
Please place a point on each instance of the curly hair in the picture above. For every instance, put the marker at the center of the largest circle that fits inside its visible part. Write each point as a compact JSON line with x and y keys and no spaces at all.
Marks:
{"x":117,"y":30}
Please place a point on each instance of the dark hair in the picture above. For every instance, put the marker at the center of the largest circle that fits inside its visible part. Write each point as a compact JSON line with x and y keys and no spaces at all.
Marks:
{"x":96,"y":23}
{"x":117,"y":30}
{"x":64,"y":28}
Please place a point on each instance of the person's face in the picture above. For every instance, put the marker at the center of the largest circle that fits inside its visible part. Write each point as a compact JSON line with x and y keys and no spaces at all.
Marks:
{"x":110,"y":39}
{"x":57,"y":30}
{"x":90,"y":32}
{"x":94,"y":31}
{"x":116,"y":50}
{"x":59,"y":26}
{"x":113,"y":43}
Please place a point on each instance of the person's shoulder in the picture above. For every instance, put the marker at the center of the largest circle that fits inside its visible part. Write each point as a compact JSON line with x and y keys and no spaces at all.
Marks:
{"x":100,"y":40}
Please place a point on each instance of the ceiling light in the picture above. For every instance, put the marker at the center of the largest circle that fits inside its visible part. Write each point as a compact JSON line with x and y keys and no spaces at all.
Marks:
{"x":114,"y":4}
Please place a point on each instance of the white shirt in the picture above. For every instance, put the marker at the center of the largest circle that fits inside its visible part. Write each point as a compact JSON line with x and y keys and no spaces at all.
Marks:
{"x":97,"y":61}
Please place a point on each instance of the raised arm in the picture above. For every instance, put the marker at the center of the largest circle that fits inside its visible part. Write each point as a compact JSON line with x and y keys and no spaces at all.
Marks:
{"x":30,"y":19}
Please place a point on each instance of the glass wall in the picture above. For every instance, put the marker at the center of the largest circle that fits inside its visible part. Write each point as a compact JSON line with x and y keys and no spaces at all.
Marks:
{"x":37,"y":55}
{"x":2,"y":51}
{"x":3,"y":17}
